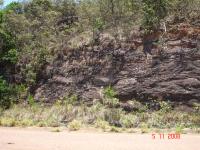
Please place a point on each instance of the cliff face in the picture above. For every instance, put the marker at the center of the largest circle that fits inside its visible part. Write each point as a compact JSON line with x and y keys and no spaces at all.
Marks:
{"x":172,"y":73}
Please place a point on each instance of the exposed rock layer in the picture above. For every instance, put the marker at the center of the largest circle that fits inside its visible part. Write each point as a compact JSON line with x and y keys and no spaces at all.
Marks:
{"x":173,"y":72}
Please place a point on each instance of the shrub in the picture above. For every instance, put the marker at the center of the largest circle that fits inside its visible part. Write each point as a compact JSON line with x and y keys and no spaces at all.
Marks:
{"x":26,"y":122}
{"x":74,"y":125}
{"x":115,"y":129}
{"x":128,"y":120}
{"x":112,"y":102}
{"x":179,"y":129}
{"x":10,"y":93}
{"x":98,"y":24}
{"x":5,"y":100}
{"x":42,"y":124}
{"x":109,"y":92}
{"x":165,"y":107}
{"x":71,"y":100}
{"x":11,"y":56}
{"x":154,"y":11}
{"x":109,"y":97}
{"x":31,"y":100}
{"x":56,"y":130}
{"x":8,"y":122}
{"x":113,"y":116}
{"x":102,"y":124}
{"x":144,"y":128}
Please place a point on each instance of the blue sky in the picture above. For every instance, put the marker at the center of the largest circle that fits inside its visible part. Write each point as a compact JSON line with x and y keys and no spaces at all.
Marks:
{"x":6,"y":2}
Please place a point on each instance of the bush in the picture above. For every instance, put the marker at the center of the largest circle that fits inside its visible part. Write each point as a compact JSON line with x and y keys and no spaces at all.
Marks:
{"x":115,"y":129}
{"x":26,"y":123}
{"x":72,"y":99}
{"x":109,"y":92}
{"x":153,"y":13}
{"x":128,"y":120}
{"x":31,"y":100}
{"x":179,"y":129}
{"x":5,"y":100}
{"x":102,"y":124}
{"x":98,"y":24}
{"x":11,"y":56}
{"x":144,"y":128}
{"x":109,"y":97}
{"x":56,"y":130}
{"x":113,"y":116}
{"x":165,"y":107}
{"x":74,"y":125}
{"x":8,"y":122}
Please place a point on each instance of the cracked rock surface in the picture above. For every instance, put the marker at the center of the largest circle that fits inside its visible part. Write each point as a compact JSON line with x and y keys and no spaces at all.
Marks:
{"x":172,"y":74}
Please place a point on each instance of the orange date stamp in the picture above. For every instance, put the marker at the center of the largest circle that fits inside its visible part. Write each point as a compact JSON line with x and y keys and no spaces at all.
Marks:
{"x":169,"y":136}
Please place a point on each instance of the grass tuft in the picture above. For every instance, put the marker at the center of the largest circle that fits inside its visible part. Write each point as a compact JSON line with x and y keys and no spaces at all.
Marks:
{"x":74,"y":125}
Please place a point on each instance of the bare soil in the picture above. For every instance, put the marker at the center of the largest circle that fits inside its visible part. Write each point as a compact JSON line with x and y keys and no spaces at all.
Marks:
{"x":45,"y":139}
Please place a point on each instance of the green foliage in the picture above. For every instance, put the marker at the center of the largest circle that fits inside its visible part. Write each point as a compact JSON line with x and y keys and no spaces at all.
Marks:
{"x":8,"y":53}
{"x":75,"y":118}
{"x":165,"y":107}
{"x":128,"y":120}
{"x":144,"y":128}
{"x":8,"y":122}
{"x":109,"y":97}
{"x":73,"y":99}
{"x":113,"y":115}
{"x":5,"y":92}
{"x":10,"y":93}
{"x":74,"y":125}
{"x":179,"y":129}
{"x":154,"y":11}
{"x":31,"y":100}
{"x":11,"y":56}
{"x":70,"y":100}
{"x":8,"y":58}
{"x":55,"y":130}
{"x":13,"y":7}
{"x":98,"y":24}
{"x":115,"y":129}
{"x":109,"y":92}
{"x":102,"y":124}
{"x":26,"y":122}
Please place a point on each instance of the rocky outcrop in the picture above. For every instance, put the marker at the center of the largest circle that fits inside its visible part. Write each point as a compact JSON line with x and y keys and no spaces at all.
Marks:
{"x":173,"y":72}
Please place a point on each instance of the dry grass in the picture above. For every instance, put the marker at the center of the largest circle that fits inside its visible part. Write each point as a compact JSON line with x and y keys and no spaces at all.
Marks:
{"x":100,"y":116}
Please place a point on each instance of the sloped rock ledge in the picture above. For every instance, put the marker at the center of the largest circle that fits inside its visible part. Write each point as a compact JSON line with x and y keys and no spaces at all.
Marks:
{"x":173,"y":74}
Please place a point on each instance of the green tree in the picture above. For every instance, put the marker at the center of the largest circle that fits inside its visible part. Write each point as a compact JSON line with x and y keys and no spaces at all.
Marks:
{"x":38,"y":35}
{"x":8,"y":51}
{"x":154,"y":12}
{"x":8,"y":60}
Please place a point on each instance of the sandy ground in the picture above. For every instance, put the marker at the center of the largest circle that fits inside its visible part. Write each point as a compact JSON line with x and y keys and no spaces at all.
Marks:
{"x":44,"y":139}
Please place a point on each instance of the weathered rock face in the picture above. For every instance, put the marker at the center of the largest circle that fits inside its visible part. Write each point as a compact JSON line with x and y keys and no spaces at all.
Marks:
{"x":172,"y":74}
